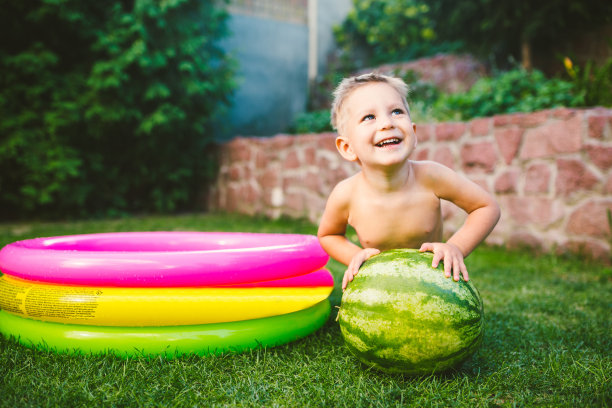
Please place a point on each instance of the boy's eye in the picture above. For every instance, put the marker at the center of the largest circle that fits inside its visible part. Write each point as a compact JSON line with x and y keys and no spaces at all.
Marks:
{"x":397,"y":111}
{"x":367,"y":117}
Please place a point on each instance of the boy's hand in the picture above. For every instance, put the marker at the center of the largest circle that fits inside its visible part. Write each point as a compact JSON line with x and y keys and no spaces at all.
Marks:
{"x":353,"y":267}
{"x":452,"y":257}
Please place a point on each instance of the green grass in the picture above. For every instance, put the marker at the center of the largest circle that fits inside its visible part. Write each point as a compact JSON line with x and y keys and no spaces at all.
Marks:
{"x":547,"y":343}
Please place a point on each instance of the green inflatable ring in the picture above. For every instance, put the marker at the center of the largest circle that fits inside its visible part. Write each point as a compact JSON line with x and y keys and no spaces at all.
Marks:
{"x":170,"y":341}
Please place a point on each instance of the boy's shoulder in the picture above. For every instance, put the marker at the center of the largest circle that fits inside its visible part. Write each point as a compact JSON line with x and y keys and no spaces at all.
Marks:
{"x":427,"y":170}
{"x":347,"y":185}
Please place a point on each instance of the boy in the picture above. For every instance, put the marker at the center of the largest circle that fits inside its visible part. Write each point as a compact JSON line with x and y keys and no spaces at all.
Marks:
{"x":394,"y":202}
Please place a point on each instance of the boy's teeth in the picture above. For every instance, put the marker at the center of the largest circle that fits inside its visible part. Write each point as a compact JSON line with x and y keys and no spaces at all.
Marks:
{"x":388,"y":141}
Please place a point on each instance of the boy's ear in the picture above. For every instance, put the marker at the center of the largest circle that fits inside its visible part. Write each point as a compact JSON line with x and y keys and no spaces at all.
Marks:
{"x":415,"y":136}
{"x":345,"y":149}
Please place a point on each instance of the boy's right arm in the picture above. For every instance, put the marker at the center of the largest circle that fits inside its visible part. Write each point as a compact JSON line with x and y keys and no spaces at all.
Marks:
{"x":332,"y":230}
{"x":334,"y":221}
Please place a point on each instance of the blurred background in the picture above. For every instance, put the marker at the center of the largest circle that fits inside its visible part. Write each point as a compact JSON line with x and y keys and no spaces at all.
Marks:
{"x":117,"y":107}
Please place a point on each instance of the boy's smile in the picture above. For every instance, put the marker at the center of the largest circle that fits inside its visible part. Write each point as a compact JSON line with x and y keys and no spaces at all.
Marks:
{"x":376,"y":128}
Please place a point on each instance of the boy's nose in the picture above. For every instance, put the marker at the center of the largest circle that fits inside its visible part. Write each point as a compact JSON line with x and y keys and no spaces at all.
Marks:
{"x":386,"y":122}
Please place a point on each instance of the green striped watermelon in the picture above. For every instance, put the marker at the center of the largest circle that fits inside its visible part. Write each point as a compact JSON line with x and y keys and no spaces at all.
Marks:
{"x":401,"y":315}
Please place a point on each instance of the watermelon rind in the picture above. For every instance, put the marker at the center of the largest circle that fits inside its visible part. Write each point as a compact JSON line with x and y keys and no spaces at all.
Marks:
{"x":400,"y":315}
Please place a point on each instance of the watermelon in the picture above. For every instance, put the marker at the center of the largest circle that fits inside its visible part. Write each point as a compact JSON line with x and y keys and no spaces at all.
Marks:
{"x":400,"y":315}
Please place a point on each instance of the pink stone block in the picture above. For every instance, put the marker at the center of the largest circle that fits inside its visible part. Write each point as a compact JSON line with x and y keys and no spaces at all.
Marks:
{"x":330,"y":179}
{"x":479,"y":155}
{"x":292,"y":161}
{"x":327,"y":141}
{"x":572,"y":175}
{"x":524,"y":120}
{"x":443,"y":155}
{"x":597,"y":126}
{"x":449,"y":131}
{"x":504,"y":120}
{"x":480,"y":126}
{"x":294,"y":202}
{"x":563,"y":113}
{"x":566,"y":136}
{"x":529,"y":120}
{"x":234,"y":172}
{"x":280,"y":142}
{"x":424,"y":132}
{"x":262,"y":160}
{"x":507,"y":182}
{"x":270,"y":178}
{"x":310,"y":180}
{"x":323,"y":163}
{"x":591,"y":219}
{"x":537,"y":178}
{"x":535,"y":210}
{"x":551,"y":139}
{"x":239,"y":149}
{"x":232,"y":199}
{"x":247,"y":173}
{"x":249,"y":194}
{"x":421,"y":154}
{"x":608,"y":185}
{"x":601,"y":156}
{"x":482,"y":183}
{"x":310,"y":155}
{"x":524,"y":239}
{"x":508,"y":142}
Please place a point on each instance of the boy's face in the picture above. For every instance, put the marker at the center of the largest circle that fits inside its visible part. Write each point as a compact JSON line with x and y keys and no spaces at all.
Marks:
{"x":375,"y":126}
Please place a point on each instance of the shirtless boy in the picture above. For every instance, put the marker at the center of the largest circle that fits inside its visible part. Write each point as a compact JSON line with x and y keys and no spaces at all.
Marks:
{"x":394,"y":202}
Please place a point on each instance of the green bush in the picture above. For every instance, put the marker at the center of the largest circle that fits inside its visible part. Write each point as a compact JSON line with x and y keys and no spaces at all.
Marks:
{"x":379,"y":31}
{"x":312,"y":122}
{"x":593,"y":82}
{"x":517,"y":90}
{"x":108,"y":106}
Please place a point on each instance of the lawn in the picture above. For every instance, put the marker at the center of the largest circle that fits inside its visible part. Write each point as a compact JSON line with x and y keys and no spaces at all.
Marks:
{"x":548,"y":342}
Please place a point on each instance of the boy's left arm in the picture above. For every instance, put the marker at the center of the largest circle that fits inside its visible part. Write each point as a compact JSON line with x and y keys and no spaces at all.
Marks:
{"x":483,"y":214}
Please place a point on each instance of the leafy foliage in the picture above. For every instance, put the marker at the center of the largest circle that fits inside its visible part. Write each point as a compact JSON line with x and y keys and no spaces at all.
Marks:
{"x":500,"y":28}
{"x":592,"y":81}
{"x":377,"y":31}
{"x":318,"y":121}
{"x":107,"y":106}
{"x":517,"y":90}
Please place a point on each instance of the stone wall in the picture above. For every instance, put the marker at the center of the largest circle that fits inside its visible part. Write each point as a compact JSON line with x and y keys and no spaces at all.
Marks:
{"x":551,"y":172}
{"x":448,"y":72}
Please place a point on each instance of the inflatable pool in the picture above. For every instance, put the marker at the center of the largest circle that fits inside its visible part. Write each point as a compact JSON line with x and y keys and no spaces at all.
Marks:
{"x":163,"y":293}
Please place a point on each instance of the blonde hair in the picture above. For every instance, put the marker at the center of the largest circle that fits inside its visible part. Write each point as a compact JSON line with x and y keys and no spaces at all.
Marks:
{"x":348,"y":85}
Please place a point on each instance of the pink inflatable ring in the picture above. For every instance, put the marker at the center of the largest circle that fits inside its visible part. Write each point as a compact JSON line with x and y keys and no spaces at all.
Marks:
{"x":163,"y":259}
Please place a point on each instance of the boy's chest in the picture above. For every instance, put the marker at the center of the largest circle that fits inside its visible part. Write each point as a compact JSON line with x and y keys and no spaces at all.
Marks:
{"x":399,"y":221}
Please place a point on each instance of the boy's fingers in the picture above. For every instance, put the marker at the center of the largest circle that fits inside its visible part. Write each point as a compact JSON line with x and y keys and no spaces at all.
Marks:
{"x":456,"y":270}
{"x":427,"y":246}
{"x":448,"y":268}
{"x":464,"y":272}
{"x":436,"y":261}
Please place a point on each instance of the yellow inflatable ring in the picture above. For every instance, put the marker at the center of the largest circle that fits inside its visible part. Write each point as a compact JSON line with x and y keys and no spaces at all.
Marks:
{"x":173,"y":306}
